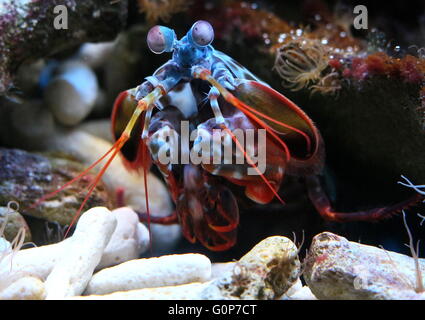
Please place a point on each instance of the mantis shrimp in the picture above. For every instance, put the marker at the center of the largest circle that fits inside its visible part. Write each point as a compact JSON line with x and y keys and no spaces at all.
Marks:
{"x":211,"y":91}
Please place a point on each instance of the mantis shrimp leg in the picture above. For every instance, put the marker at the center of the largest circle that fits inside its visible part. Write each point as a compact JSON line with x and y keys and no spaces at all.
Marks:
{"x":205,"y":74}
{"x":323,"y":205}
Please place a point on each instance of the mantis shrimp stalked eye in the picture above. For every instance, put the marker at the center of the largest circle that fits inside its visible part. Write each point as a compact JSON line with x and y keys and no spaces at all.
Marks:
{"x":201,"y":33}
{"x":161,"y":39}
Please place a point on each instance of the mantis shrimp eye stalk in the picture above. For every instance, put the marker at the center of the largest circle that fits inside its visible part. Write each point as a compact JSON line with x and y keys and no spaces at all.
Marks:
{"x":161,"y":39}
{"x":201,"y":33}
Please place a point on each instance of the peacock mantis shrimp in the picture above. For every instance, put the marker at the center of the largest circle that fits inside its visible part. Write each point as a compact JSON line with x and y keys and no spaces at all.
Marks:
{"x":210,"y":91}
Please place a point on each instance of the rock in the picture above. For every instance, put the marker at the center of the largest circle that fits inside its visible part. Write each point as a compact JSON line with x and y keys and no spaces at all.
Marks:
{"x":27,"y":30}
{"x":28,"y":125}
{"x":95,"y":54}
{"x":15,"y":222}
{"x":265,"y":272}
{"x":71,"y":94}
{"x":26,"y":288}
{"x":26,"y":177}
{"x":153,"y":272}
{"x":100,"y":128}
{"x":28,"y":76}
{"x":129,"y":240}
{"x":302,"y":294}
{"x":11,"y":226}
{"x":81,"y":254}
{"x":339,"y":269}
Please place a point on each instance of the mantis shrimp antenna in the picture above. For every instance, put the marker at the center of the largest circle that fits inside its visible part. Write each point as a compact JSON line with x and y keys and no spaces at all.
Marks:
{"x":409,"y":184}
{"x":145,"y":180}
{"x":142,"y":106}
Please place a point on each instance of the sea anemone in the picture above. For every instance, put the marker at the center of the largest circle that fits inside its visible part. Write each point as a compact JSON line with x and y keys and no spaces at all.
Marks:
{"x":300,"y":63}
{"x":329,"y":84}
{"x":162,"y":9}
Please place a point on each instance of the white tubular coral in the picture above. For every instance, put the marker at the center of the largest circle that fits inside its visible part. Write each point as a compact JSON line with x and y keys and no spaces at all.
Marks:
{"x":190,"y":291}
{"x":266,"y":272}
{"x":129,"y":240}
{"x":81,"y":254}
{"x":153,"y":272}
{"x":26,"y":288}
{"x":71,"y":95}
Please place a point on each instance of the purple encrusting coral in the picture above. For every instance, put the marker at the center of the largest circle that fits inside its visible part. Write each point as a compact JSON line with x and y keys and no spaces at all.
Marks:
{"x":27,"y":31}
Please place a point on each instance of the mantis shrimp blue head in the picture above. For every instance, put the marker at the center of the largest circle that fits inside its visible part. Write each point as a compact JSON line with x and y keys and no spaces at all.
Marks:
{"x":194,"y":49}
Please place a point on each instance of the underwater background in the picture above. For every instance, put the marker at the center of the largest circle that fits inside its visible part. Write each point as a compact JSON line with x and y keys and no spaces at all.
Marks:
{"x":364,"y":91}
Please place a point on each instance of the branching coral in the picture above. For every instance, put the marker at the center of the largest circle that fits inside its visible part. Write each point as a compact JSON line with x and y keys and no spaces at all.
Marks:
{"x":162,"y":9}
